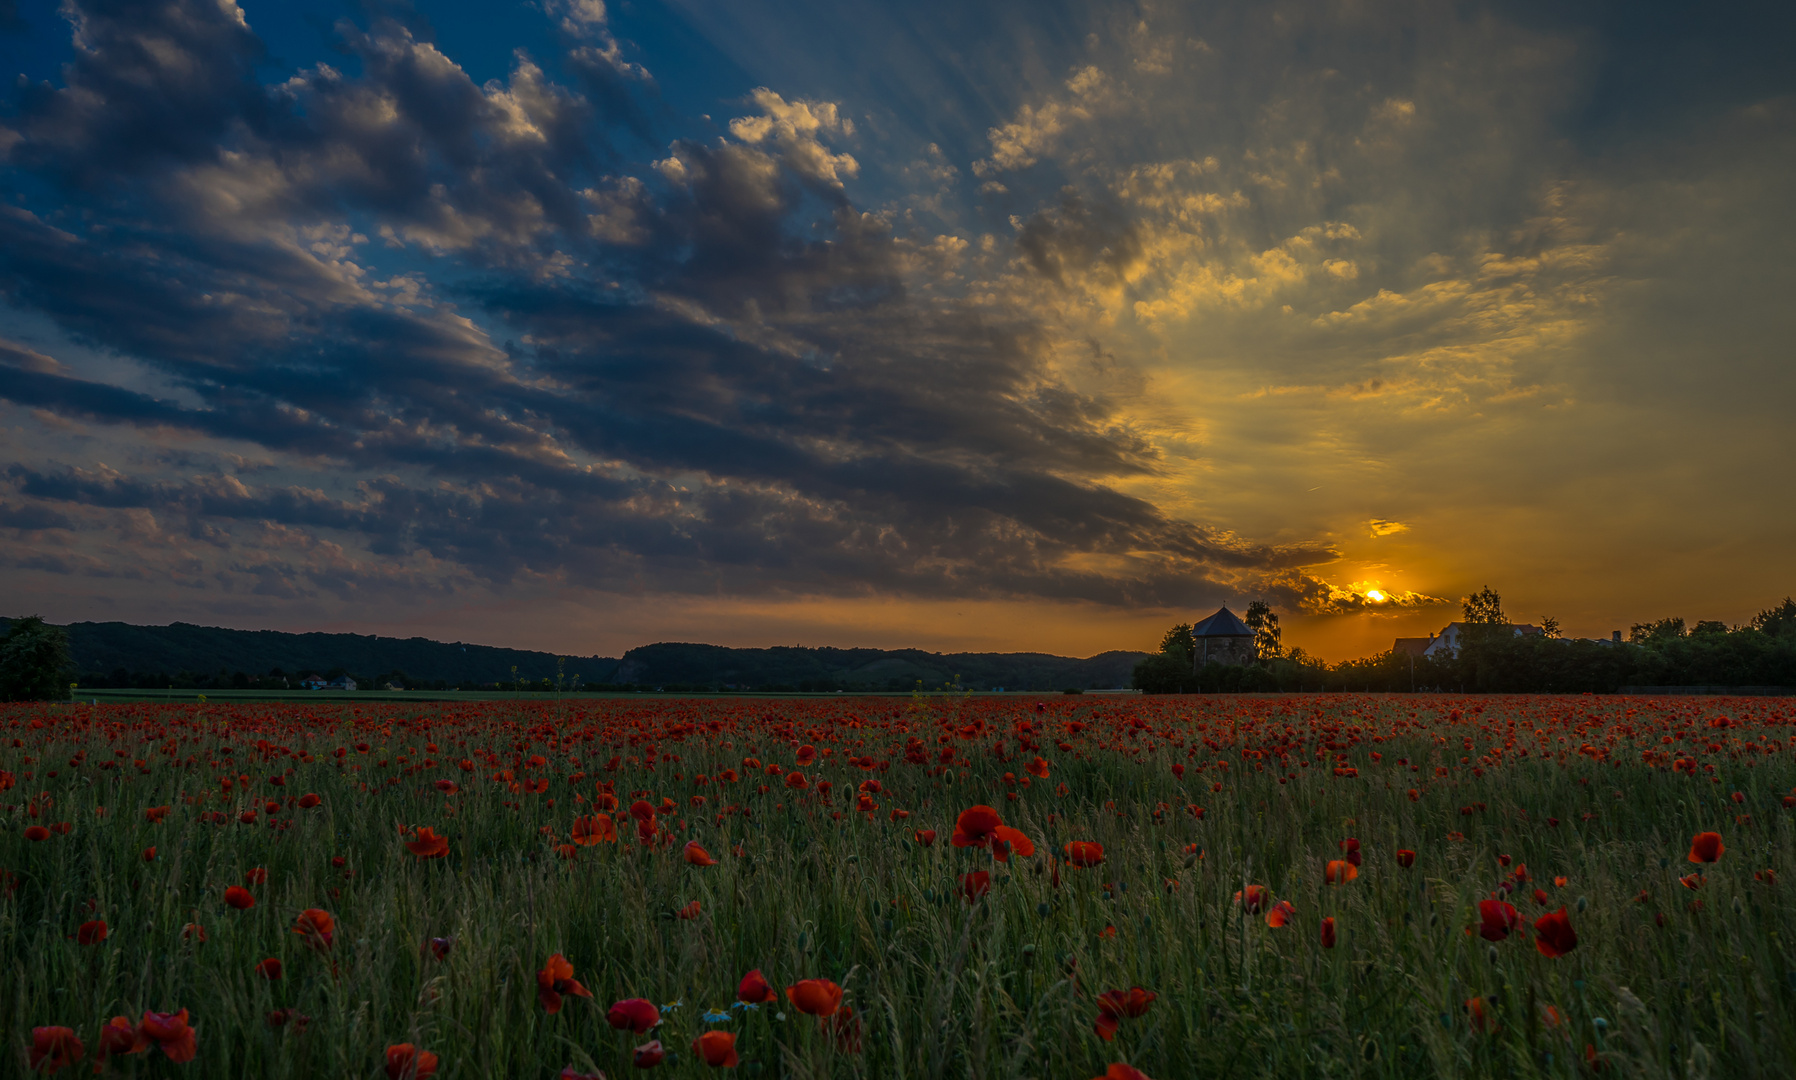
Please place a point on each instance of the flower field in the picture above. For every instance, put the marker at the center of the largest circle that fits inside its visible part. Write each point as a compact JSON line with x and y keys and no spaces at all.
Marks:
{"x":952,"y":887}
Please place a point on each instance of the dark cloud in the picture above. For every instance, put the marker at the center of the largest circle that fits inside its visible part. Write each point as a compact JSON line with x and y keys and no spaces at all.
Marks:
{"x":477,"y":344}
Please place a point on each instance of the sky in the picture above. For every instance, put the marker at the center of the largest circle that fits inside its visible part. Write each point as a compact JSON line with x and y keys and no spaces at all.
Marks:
{"x":1025,"y":325}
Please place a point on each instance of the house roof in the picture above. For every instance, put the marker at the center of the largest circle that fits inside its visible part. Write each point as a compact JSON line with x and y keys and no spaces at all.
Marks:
{"x":1414,"y":646}
{"x":1222,"y":624}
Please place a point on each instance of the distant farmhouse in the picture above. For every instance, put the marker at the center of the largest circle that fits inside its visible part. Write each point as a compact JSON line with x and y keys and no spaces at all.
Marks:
{"x":1222,"y":639}
{"x":314,"y":682}
{"x":1446,"y":643}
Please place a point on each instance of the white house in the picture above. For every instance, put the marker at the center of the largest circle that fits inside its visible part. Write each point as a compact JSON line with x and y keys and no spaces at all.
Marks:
{"x":345,"y":683}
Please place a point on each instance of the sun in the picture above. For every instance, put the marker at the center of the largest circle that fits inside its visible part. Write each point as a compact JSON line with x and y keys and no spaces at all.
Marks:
{"x":1377,"y":596}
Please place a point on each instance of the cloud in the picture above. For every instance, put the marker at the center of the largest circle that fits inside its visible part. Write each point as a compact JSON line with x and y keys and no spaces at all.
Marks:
{"x":633,"y":380}
{"x":1103,"y":304}
{"x":1314,"y":596}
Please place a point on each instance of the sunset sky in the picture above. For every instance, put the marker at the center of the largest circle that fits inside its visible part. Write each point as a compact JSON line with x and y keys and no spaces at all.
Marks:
{"x":996,"y":326}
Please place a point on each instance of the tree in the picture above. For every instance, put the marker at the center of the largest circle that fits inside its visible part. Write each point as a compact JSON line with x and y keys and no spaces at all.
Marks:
{"x":1263,"y":621}
{"x":1776,"y":621}
{"x":34,"y":660}
{"x":1179,"y":644}
{"x":1657,"y":632}
{"x":1549,"y":627}
{"x":1484,"y":608}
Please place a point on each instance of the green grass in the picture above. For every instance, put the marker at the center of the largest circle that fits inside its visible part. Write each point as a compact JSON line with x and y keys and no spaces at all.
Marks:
{"x":943,"y":988}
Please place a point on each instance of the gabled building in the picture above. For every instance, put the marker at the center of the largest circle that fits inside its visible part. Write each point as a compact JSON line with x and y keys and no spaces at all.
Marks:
{"x":313,"y":682}
{"x":1222,"y":639}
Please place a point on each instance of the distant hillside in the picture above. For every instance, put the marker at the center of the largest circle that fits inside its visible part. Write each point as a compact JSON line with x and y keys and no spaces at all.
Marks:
{"x":181,"y":654}
{"x":188,"y":656}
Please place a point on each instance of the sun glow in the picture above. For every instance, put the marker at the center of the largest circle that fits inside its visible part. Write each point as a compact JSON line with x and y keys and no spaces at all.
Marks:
{"x":1376,"y":596}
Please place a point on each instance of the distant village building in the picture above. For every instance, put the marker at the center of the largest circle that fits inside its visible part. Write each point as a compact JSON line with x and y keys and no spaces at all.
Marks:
{"x":1446,"y":643}
{"x":345,"y":683}
{"x":1222,"y":639}
{"x":313,"y":682}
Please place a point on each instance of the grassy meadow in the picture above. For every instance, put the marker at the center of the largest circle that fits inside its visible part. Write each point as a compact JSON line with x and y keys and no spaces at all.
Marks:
{"x":1586,"y":804}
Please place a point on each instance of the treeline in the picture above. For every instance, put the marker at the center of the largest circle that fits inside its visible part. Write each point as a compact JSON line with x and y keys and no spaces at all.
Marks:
{"x":209,"y":658}
{"x":1492,"y":658}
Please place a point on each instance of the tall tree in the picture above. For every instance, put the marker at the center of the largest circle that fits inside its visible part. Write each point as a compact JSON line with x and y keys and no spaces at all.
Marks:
{"x":1657,"y":632}
{"x":1267,"y":637}
{"x":1778,"y":620}
{"x":1179,"y":643}
{"x":1484,"y":608}
{"x":34,"y":661}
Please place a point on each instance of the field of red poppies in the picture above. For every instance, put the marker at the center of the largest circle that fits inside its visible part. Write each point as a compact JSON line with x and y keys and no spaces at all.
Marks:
{"x":950,"y":887}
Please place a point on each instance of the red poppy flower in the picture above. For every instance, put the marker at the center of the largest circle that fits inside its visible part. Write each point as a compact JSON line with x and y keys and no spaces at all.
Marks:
{"x":407,"y":1062}
{"x":555,"y":979}
{"x":717,"y":1048}
{"x":1121,"y":1071}
{"x":448,"y":787}
{"x":193,"y":930}
{"x":649,"y":1054}
{"x":1328,"y":932}
{"x":975,"y":885}
{"x":1257,"y":898}
{"x":642,"y":810}
{"x":38,"y":832}
{"x":239,"y":897}
{"x":1084,"y":853}
{"x":975,"y":827}
{"x":634,"y":1014}
{"x":1406,"y":858}
{"x":155,"y":814}
{"x":690,"y":911}
{"x":172,"y":1033}
{"x":280,"y":1018}
{"x":1540,"y":897}
{"x":696,"y":855}
{"x":1350,"y":847}
{"x":309,"y":800}
{"x":54,"y":1047}
{"x":1496,"y":919}
{"x":1339,"y":872}
{"x":256,"y":876}
{"x":796,"y":781}
{"x":92,"y":932}
{"x":1115,"y":1005}
{"x":1037,"y":768}
{"x":844,"y":1030}
{"x":1694,"y":881}
{"x":269,"y":969}
{"x":119,"y":1036}
{"x":806,"y":755}
{"x":1282,"y":912}
{"x":925,"y":837}
{"x":594,"y":829}
{"x":427,"y":844}
{"x":1479,"y":1016}
{"x":1553,"y":934}
{"x":568,"y":1072}
{"x":1006,"y":840}
{"x":755,"y":989}
{"x":316,"y":926}
{"x":1706,"y":847}
{"x":815,"y":997}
